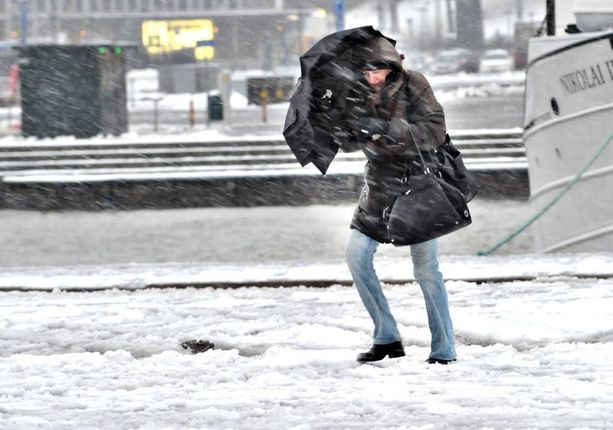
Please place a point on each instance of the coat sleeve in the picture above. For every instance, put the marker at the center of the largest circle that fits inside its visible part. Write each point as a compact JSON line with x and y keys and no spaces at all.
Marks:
{"x":347,"y":142}
{"x":424,"y":120}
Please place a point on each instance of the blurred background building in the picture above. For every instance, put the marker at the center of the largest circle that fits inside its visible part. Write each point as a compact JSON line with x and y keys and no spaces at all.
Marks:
{"x":189,"y":41}
{"x":247,"y":33}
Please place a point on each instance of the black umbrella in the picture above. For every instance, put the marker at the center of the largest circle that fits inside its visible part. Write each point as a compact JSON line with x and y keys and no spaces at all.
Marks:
{"x":329,"y":72}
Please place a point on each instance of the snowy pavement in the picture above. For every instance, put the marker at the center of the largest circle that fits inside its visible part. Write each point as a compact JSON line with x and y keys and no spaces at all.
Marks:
{"x":533,"y":351}
{"x":534,"y":345}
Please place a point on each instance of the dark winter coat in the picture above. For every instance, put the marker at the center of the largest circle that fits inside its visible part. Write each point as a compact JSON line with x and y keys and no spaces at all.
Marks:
{"x":406,"y":102}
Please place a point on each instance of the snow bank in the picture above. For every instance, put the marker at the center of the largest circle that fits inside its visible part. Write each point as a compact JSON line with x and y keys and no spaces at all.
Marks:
{"x":532,"y":354}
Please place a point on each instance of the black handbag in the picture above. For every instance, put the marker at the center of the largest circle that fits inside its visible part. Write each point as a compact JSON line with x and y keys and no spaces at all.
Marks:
{"x":434,"y":202}
{"x":450,"y":166}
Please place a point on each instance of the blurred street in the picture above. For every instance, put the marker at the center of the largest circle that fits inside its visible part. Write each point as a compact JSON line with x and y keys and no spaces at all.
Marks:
{"x":484,"y":112}
{"x":308,"y":234}
{"x":497,"y":111}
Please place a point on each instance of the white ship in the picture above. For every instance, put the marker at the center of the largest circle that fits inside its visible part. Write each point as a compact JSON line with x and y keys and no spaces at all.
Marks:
{"x":568,"y":122}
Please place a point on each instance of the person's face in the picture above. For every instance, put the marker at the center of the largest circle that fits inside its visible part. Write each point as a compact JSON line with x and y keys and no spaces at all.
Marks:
{"x":376,"y":78}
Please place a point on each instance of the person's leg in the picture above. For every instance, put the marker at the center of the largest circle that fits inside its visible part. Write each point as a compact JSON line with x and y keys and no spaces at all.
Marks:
{"x":360,"y":254}
{"x":430,"y":279}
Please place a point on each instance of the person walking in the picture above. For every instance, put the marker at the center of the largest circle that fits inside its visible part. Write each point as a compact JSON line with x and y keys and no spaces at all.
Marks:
{"x":392,"y":107}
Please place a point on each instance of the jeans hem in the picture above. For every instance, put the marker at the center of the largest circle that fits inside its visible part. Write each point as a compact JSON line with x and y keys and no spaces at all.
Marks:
{"x":443,"y":358}
{"x":386,"y":342}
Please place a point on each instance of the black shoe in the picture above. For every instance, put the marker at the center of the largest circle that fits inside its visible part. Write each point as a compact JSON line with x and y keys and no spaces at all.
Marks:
{"x":379,"y":352}
{"x":432,"y":360}
{"x":196,"y":346}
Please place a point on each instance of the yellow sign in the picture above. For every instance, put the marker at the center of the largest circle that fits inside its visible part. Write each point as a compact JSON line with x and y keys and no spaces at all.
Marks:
{"x":176,"y":35}
{"x":204,"y":52}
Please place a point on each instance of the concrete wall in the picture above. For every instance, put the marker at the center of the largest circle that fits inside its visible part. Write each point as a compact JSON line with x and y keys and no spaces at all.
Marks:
{"x":236,"y":192}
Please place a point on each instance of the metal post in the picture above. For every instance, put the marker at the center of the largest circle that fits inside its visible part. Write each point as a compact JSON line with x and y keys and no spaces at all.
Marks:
{"x":155,"y":101}
{"x":10,"y":118}
{"x":23,"y":21}
{"x":551,"y":17}
{"x":155,"y":115}
{"x":192,"y":113}
{"x":264,"y":104}
{"x":339,"y":8}
{"x":224,"y":83}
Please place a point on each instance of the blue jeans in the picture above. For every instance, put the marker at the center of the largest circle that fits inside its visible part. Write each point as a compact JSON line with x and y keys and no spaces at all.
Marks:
{"x":360,"y":259}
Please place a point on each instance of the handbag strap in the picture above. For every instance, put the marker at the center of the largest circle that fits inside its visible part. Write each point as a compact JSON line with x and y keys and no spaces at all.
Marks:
{"x":399,"y":109}
{"x":403,"y":104}
{"x":421,"y":157}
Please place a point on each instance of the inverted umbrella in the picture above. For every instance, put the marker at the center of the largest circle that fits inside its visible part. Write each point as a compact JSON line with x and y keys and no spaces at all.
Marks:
{"x":329,"y":72}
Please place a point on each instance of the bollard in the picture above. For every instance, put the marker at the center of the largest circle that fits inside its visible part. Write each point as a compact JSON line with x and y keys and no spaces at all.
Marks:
{"x":155,"y":115}
{"x":264,"y":103}
{"x":224,"y":83}
{"x":156,"y":101}
{"x":192,"y":113}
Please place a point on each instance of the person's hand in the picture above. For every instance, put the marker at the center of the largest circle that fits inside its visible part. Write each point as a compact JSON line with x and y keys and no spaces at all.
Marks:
{"x":370,"y":127}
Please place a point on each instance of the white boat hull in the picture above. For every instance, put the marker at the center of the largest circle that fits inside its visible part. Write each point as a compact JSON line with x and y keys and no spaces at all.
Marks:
{"x":568,"y":119}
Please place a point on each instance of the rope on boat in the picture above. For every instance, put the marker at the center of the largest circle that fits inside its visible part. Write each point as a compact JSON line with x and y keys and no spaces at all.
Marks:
{"x":549,"y":205}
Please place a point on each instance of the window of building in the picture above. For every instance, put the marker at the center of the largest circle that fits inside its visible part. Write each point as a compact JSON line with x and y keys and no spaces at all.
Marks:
{"x":93,"y":5}
{"x":182,"y":5}
{"x":78,"y":6}
{"x":119,"y":5}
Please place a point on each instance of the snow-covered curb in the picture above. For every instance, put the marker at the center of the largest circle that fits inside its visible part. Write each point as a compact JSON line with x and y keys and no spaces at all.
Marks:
{"x":139,"y":276}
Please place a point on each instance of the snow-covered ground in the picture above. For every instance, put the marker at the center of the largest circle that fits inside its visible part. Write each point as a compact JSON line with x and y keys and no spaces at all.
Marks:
{"x":534,"y":332}
{"x":533,"y":354}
